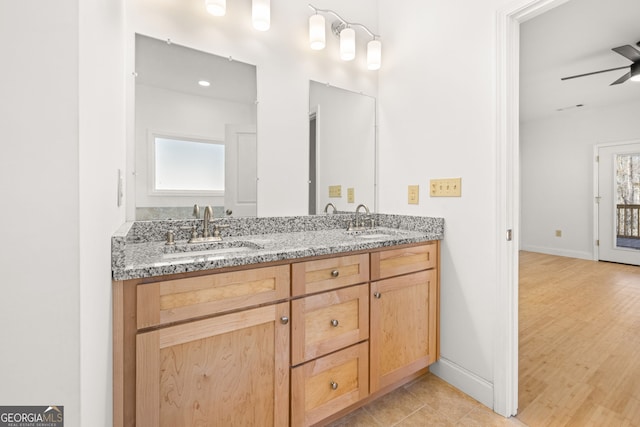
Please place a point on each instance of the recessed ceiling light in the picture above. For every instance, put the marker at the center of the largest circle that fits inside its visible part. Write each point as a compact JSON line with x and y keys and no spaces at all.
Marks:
{"x":204,"y":83}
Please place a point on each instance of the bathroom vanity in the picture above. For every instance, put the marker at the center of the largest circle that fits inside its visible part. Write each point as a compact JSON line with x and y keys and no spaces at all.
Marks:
{"x":292,"y":326}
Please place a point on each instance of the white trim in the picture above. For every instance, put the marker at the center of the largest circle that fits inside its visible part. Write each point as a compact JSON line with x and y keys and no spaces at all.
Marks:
{"x":152,"y":191}
{"x":476,"y":387}
{"x":596,"y":201}
{"x":505,"y":381}
{"x":596,"y":190}
{"x":558,"y":252}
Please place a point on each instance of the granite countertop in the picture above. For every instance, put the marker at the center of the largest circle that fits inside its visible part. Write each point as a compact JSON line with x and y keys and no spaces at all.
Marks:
{"x":136,"y":256}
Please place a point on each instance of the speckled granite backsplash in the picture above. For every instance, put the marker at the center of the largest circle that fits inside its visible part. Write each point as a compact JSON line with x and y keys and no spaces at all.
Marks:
{"x":153,"y":231}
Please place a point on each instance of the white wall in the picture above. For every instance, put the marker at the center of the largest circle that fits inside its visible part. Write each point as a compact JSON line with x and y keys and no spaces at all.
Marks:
{"x":557,"y":175}
{"x":101,"y":152}
{"x":437,"y":108}
{"x":39,"y":177}
{"x":285,"y":64}
{"x":61,"y":113}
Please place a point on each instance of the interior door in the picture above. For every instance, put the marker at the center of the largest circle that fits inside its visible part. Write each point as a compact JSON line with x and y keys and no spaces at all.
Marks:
{"x":619,"y":202}
{"x":241,"y":171}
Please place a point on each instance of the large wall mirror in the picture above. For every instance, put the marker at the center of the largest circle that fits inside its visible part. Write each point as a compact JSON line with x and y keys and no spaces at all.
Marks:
{"x":342,"y":149}
{"x":195,"y":132}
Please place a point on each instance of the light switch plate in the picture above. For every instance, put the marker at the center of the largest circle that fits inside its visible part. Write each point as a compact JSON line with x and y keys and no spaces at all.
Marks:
{"x":448,"y":187}
{"x":351,"y":195}
{"x":335,"y":191}
{"x":414,"y":194}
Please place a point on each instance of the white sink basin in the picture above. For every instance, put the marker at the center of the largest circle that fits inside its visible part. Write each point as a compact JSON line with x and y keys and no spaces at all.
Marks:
{"x":209,"y":249}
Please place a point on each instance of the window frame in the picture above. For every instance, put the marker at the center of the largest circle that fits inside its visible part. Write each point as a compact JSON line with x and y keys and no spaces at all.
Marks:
{"x":151,"y":147}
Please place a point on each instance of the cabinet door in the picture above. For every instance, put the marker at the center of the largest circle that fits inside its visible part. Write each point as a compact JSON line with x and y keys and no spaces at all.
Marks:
{"x":231,"y":370}
{"x":403,"y":327}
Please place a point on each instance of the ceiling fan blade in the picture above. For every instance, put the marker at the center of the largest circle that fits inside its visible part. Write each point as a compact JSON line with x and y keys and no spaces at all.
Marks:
{"x":595,"y":72}
{"x":622,"y":79}
{"x":628,"y":52}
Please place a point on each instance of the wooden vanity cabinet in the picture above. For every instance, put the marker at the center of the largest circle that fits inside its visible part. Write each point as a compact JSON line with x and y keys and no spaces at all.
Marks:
{"x":294,"y":344}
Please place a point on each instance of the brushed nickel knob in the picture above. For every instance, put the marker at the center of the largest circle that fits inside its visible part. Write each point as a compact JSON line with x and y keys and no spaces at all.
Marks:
{"x":377,"y":295}
{"x":335,"y":273}
{"x":334,"y":385}
{"x":284,"y":320}
{"x":334,"y":323}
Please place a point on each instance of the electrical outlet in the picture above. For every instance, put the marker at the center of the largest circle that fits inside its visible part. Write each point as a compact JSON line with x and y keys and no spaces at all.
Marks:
{"x":351,"y":195}
{"x":335,"y":191}
{"x":414,"y":194}
{"x":448,"y":187}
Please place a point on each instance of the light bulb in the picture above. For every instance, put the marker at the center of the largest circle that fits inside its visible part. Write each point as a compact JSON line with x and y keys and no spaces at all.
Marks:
{"x":316,"y":32}
{"x":261,"y":14}
{"x":216,"y":7}
{"x":347,"y":44}
{"x":635,"y":78}
{"x":374,"y":54}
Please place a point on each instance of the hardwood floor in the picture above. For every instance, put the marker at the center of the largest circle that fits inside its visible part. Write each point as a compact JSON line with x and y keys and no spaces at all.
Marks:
{"x":579,"y":342}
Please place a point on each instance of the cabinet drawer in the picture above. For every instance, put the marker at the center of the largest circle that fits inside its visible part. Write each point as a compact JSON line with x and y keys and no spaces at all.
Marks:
{"x":326,"y":274}
{"x":395,"y":262}
{"x":329,"y":321}
{"x":175,"y":300}
{"x":327,"y":385}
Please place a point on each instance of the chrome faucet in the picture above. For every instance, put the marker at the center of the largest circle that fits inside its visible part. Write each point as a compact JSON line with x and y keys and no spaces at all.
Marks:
{"x":208,"y":213}
{"x":326,"y":208}
{"x":359,"y":223}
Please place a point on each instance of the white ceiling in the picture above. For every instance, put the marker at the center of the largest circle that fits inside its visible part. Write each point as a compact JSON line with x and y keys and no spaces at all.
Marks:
{"x":178,"y":68}
{"x":577,"y":38}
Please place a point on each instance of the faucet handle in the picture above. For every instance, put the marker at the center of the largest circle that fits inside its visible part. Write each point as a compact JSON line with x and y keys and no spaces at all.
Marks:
{"x":170,"y":238}
{"x":217,"y":228}
{"x":194,"y":233}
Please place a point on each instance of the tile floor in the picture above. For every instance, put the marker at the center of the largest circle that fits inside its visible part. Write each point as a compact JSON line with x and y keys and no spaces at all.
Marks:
{"x":427,"y":401}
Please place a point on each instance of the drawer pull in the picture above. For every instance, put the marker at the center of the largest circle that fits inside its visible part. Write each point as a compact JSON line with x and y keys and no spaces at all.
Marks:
{"x":334,"y":323}
{"x":284,"y":320}
{"x":334,"y":385}
{"x":335,"y":273}
{"x":377,"y":295}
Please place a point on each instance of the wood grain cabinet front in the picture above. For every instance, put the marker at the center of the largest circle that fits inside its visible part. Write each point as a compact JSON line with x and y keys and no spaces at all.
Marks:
{"x":176,"y":300}
{"x":329,"y":321}
{"x":324,"y":386}
{"x":230,"y":370}
{"x":330,"y":273}
{"x":404,"y":322}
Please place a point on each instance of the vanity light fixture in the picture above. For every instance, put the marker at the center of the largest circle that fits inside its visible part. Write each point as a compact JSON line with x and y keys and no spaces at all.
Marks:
{"x":261,"y":14}
{"x":216,"y":7}
{"x":344,"y":30}
{"x":316,"y":32}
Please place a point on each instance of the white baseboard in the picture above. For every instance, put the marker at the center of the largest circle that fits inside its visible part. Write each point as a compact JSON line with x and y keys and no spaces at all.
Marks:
{"x":558,"y":252}
{"x":465,"y":381}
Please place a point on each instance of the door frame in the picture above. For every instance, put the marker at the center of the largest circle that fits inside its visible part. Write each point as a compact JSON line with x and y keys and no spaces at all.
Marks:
{"x":505,"y":377}
{"x":596,"y":190}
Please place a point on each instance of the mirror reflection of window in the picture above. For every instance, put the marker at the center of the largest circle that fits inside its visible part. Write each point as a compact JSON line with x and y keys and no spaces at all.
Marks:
{"x":186,"y":165}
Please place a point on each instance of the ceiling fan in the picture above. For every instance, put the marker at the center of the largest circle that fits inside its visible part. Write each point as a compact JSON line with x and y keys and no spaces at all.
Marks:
{"x":628,"y":52}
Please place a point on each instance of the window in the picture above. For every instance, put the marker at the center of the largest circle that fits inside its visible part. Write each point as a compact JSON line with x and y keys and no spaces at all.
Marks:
{"x":183,"y":165}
